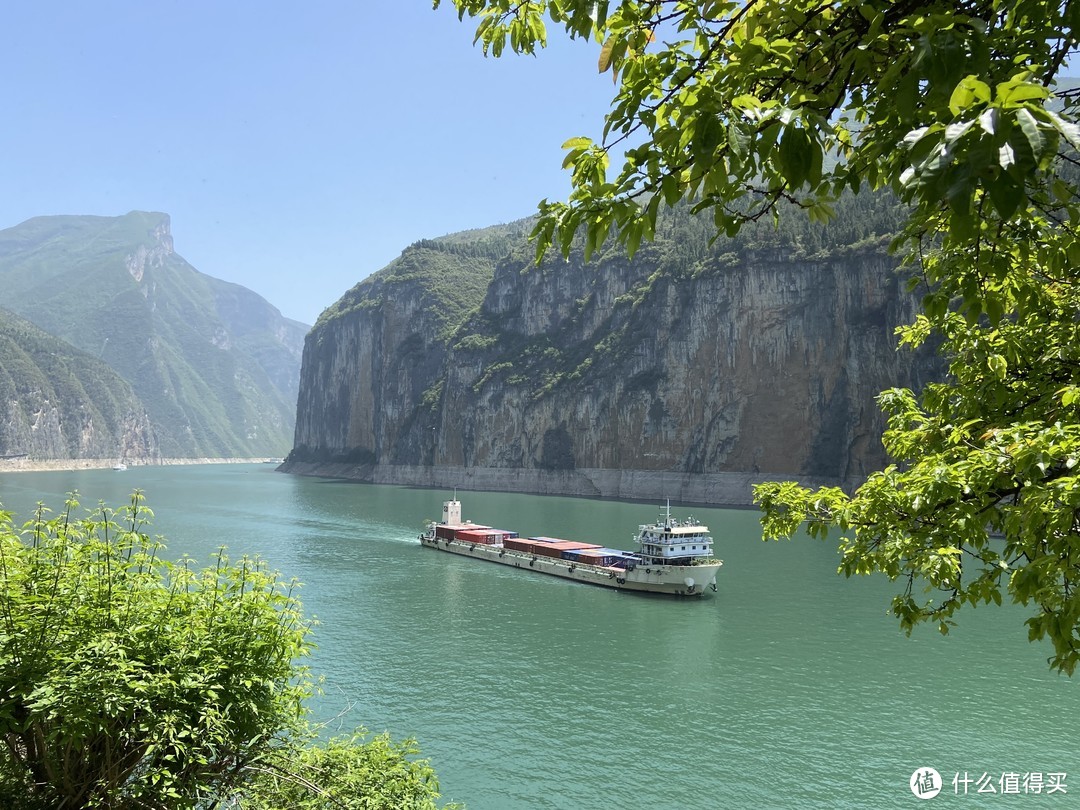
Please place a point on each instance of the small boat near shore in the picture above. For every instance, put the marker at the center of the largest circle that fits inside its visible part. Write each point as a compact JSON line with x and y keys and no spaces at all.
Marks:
{"x":672,"y":557}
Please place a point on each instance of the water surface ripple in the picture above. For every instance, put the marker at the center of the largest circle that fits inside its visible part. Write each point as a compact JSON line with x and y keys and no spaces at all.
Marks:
{"x":790,"y":688}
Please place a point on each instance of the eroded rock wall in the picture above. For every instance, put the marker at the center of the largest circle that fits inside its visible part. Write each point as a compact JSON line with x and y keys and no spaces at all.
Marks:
{"x":647,"y":378}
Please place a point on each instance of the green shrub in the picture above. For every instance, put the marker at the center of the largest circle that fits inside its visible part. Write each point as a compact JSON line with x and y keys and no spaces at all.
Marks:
{"x":127,"y":681}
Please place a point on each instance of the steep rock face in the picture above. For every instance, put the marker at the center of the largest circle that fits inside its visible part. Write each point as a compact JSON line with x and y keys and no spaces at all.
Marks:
{"x":375,"y":374}
{"x":377,"y":356}
{"x":770,"y":366}
{"x":687,"y":372}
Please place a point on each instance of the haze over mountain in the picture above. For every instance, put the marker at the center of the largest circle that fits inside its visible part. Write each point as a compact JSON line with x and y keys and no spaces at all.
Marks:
{"x":212,"y":365}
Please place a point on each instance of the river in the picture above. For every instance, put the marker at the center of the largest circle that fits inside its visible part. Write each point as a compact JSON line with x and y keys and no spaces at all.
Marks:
{"x":788,"y":688}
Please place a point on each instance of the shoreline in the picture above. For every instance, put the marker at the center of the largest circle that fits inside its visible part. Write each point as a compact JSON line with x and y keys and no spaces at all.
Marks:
{"x":720,"y":490}
{"x":74,"y":464}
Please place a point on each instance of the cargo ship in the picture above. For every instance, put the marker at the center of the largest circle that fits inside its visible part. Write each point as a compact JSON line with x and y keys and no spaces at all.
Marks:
{"x":672,"y":557}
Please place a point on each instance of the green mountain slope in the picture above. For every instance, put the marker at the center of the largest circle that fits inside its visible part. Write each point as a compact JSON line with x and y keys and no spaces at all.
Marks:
{"x":58,"y":402}
{"x":215,"y":365}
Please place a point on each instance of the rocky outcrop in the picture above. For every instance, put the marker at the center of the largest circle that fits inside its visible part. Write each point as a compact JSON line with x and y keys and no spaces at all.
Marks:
{"x":38,"y":427}
{"x":688,"y":372}
{"x":152,"y":254}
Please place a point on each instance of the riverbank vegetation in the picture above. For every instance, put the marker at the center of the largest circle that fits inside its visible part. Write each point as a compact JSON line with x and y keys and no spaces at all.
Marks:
{"x":129,"y":681}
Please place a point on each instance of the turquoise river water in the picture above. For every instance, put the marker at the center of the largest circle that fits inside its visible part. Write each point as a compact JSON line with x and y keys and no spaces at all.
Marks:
{"x":788,"y":688}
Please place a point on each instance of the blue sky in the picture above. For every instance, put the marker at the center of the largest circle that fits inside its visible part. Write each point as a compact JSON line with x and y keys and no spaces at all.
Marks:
{"x":298,"y":147}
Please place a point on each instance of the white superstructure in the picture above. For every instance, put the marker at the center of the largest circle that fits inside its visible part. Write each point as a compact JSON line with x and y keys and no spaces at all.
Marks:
{"x":451,"y":513}
{"x":671,"y":542}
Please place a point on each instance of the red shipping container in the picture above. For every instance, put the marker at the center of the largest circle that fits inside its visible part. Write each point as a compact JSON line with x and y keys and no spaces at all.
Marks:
{"x":486,"y":536}
{"x":517,"y":544}
{"x":557,"y":548}
{"x":592,"y":558}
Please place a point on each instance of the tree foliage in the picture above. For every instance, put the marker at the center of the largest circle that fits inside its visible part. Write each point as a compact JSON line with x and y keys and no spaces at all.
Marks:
{"x":354,"y":772}
{"x":128,"y":681}
{"x":956,"y":108}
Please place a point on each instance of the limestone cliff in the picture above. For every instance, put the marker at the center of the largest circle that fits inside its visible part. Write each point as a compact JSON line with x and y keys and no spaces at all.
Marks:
{"x":687,"y":372}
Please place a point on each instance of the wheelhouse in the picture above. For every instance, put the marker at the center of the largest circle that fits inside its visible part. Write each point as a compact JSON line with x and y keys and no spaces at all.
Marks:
{"x":674,"y":542}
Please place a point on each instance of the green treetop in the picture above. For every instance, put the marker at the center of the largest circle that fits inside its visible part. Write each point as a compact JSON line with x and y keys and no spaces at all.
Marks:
{"x":743,"y":108}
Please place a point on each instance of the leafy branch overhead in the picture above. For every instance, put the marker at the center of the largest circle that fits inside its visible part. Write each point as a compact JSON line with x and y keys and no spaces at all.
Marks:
{"x":794,"y":101}
{"x":746,"y":108}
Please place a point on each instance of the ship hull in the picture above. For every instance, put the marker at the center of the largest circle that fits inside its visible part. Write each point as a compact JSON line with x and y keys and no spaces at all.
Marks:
{"x":675,"y":580}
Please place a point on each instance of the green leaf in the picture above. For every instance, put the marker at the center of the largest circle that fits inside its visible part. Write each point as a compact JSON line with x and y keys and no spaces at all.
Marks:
{"x":794,"y":156}
{"x":999,"y":367}
{"x":632,"y":235}
{"x":970,"y":90}
{"x":1068,"y":129}
{"x":579,"y":143}
{"x":1006,"y":195}
{"x":1019,"y":90}
{"x":604,"y":63}
{"x":1030,"y":127}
